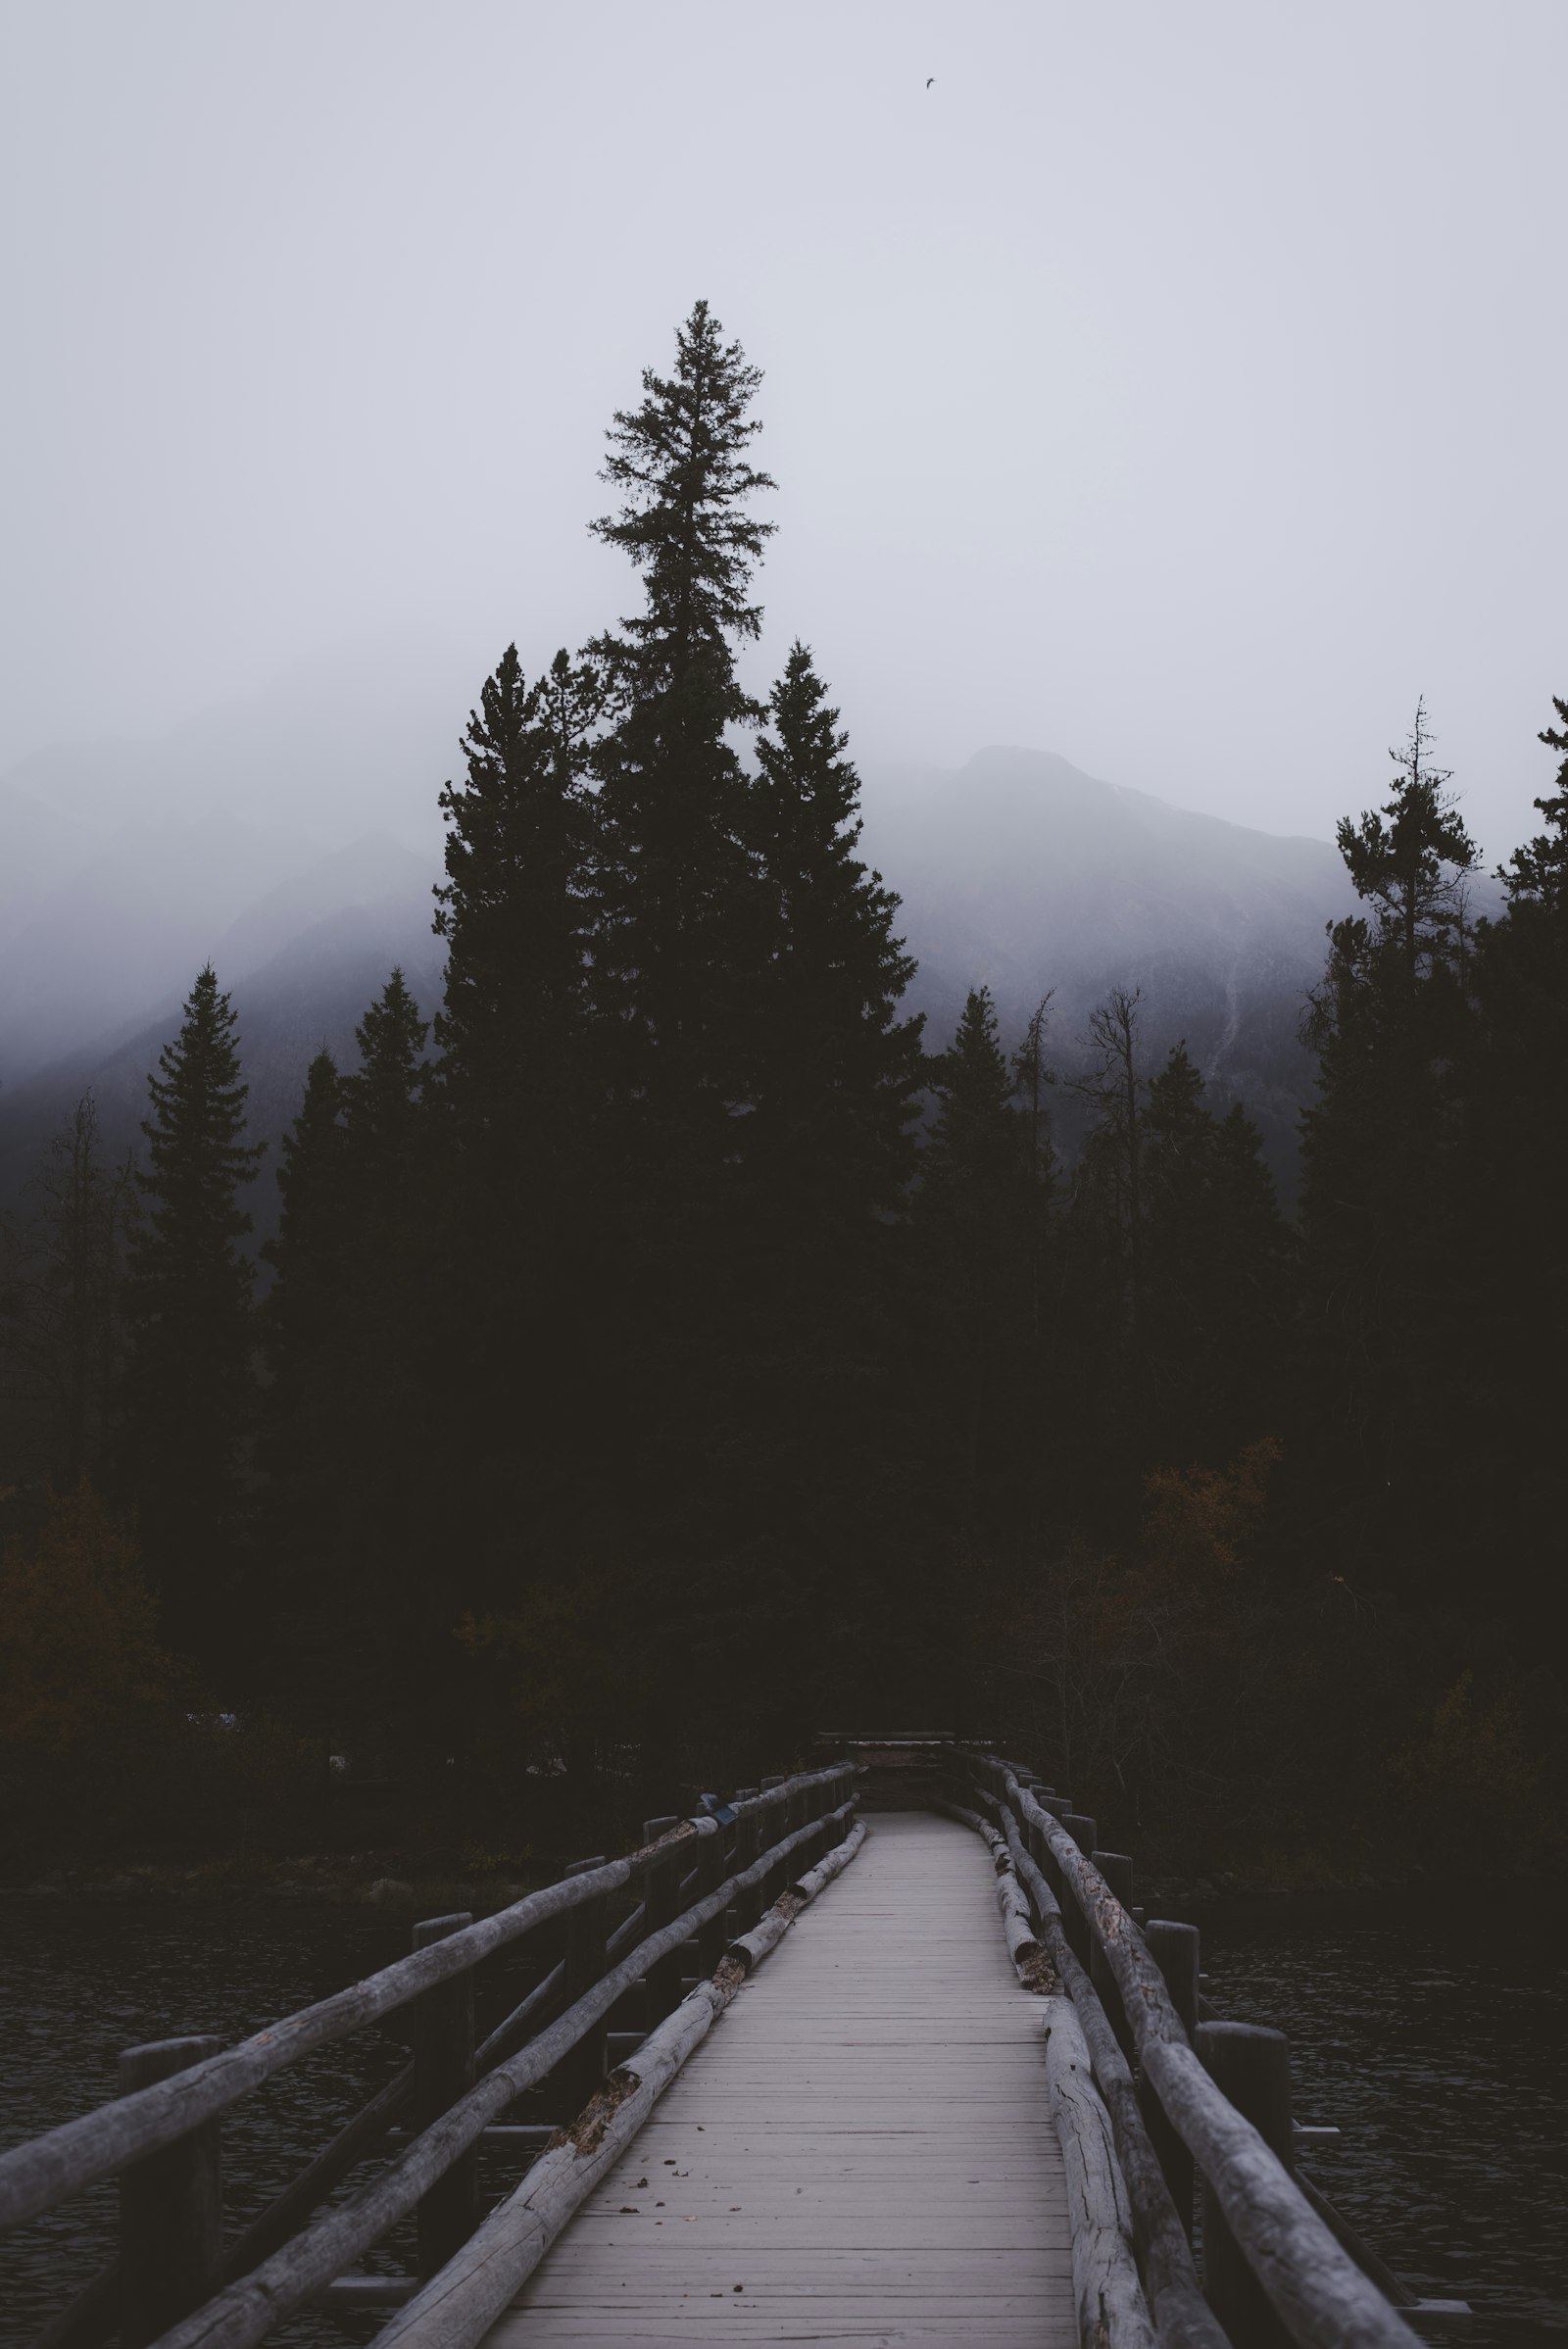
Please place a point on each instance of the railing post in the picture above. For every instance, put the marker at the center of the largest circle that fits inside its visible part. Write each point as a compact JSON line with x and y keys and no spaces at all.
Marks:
{"x":710,"y":1873}
{"x":1174,"y":1950}
{"x":747,"y":1905}
{"x":819,"y":1803}
{"x":771,"y":1827}
{"x":660,"y":1899}
{"x":824,"y":1802}
{"x":580,"y":2073}
{"x":443,"y":2071}
{"x":171,"y":2206}
{"x":1252,"y":2065}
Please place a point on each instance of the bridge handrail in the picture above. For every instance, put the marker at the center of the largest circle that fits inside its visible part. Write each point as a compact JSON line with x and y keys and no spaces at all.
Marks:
{"x":1321,"y":2295}
{"x":47,"y":2170}
{"x":243,"y":2313}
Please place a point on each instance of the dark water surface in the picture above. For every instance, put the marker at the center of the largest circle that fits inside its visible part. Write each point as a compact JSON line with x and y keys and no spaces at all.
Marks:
{"x":79,"y":1981}
{"x":1433,"y":2032}
{"x":1436,"y":2042}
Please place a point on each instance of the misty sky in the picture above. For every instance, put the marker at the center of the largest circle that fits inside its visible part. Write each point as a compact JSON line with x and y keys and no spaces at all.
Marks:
{"x":1177,"y":387}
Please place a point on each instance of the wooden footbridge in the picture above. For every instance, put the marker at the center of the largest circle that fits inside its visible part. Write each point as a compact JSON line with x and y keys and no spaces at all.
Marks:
{"x":786,"y":2074}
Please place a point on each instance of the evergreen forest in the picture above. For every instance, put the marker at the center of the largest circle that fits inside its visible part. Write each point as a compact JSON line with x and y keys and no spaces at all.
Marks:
{"x":670,"y":1351}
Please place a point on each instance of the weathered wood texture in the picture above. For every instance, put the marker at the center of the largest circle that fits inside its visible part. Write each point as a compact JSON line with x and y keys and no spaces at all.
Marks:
{"x":170,"y":2207}
{"x":455,"y":2311}
{"x":1321,"y":2296}
{"x":1182,"y":2316}
{"x":864,"y":2145}
{"x":44,"y":2171}
{"x":246,"y":2311}
{"x":1111,"y":2309}
{"x":443,"y":2072}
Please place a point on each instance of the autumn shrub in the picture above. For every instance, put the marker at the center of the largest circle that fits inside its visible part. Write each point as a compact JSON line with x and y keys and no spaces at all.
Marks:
{"x":92,"y":1708}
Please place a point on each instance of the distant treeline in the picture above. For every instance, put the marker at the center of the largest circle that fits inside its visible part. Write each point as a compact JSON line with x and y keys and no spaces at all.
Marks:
{"x":669,"y":1355}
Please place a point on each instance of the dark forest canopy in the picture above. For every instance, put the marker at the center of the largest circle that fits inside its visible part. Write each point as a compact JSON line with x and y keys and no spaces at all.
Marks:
{"x":668,"y":1351}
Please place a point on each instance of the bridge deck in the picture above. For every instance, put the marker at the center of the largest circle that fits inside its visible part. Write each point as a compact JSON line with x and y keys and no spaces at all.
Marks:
{"x":859,"y":2152}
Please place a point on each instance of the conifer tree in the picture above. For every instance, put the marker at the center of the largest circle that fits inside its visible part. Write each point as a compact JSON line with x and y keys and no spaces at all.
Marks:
{"x":974,"y":1139}
{"x":516,"y":909}
{"x":676,"y":951}
{"x":834,"y":1070}
{"x":515,"y":1100}
{"x":188,"y":1386}
{"x":386,"y":1267}
{"x":1386,"y":1023}
{"x":1216,"y":1254}
{"x":1508,"y":1372}
{"x":1033,"y":1076}
{"x":382,"y":1101}
{"x":386,"y":1601}
{"x":63,"y":1327}
{"x":1108,"y":1187}
{"x":312,"y":1219}
{"x":973,"y":1212}
{"x":676,"y":891}
{"x":311,"y":1359}
{"x":1409,"y":861}
{"x":1538,"y":873}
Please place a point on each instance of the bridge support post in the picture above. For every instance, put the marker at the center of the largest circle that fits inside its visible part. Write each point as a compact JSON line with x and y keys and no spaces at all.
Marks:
{"x":711,"y":1869}
{"x":170,"y":2207}
{"x":580,"y":2074}
{"x":1252,"y":2065}
{"x":661,"y":1900}
{"x":443,"y":2071}
{"x":820,"y":1801}
{"x":748,"y":1905}
{"x":773,"y":1824}
{"x":1174,"y":1950}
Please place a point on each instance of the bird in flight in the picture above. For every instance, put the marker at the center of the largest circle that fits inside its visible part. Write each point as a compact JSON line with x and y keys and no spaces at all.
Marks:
{"x":932,"y":78}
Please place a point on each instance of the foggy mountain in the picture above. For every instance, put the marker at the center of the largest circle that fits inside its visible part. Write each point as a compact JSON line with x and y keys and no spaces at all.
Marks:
{"x":1023,"y":875}
{"x":295,"y":839}
{"x":125,"y":864}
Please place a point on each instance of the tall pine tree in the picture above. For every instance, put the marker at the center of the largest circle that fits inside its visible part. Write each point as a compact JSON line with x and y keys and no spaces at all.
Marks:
{"x":1509,"y":1368}
{"x":834,"y":1070}
{"x":303,"y":1323}
{"x":517,"y":909}
{"x":1218,"y":1255}
{"x":522,"y":1239}
{"x":189,"y":1388}
{"x":677,"y":885}
{"x":974,"y":1214}
{"x":393,"y":1575}
{"x":675,"y":958}
{"x":63,"y":1322}
{"x":1376,"y":1146}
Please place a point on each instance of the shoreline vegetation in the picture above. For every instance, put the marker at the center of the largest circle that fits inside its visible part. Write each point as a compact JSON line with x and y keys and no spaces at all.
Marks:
{"x":1314,"y":1879}
{"x":667,"y":1347}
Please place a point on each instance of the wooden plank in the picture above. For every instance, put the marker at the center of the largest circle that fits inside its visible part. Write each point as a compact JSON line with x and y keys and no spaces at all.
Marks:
{"x":862,"y":2144}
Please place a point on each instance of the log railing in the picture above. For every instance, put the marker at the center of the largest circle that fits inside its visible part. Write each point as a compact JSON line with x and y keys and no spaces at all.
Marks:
{"x":696,"y":1884}
{"x":1199,"y":2109}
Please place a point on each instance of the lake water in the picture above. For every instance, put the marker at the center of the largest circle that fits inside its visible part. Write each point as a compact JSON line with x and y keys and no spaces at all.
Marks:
{"x":1436,"y":2045}
{"x":79,"y":1982}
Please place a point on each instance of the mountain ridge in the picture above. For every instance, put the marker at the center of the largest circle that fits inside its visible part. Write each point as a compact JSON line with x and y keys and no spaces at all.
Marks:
{"x":1020,"y":871}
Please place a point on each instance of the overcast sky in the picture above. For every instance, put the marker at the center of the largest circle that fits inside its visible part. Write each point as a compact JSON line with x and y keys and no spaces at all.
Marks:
{"x":1178,"y":388}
